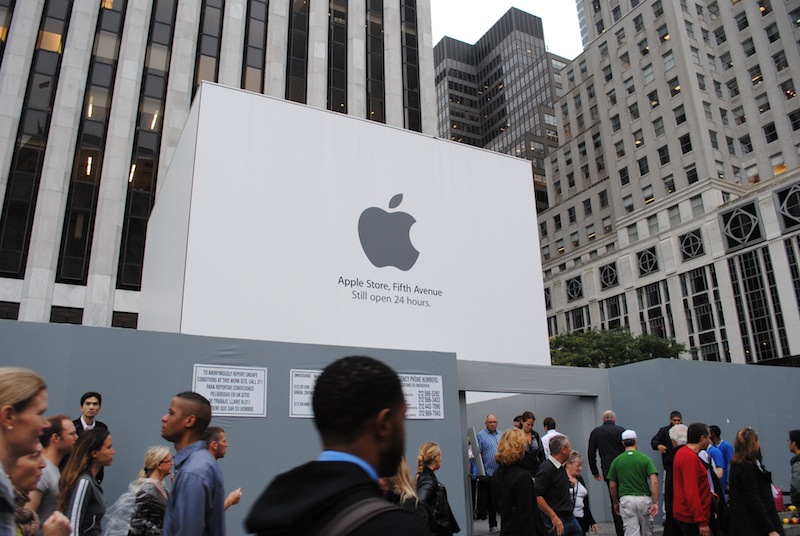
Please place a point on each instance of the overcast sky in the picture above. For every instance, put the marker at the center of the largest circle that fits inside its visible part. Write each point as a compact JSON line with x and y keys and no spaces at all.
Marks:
{"x":468,"y":20}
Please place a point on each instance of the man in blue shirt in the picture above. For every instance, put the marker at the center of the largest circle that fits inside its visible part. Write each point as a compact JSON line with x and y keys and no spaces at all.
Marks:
{"x":487,"y":444}
{"x":727,"y":453}
{"x":195,"y":507}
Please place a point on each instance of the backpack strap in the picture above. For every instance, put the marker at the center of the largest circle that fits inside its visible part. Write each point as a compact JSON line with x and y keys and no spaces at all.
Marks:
{"x":356,"y":515}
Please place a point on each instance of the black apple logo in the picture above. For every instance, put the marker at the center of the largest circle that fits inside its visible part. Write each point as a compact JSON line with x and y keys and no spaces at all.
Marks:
{"x":385,"y":236}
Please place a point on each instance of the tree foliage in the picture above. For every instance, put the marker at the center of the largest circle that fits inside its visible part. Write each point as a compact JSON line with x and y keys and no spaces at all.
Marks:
{"x":603,"y":349}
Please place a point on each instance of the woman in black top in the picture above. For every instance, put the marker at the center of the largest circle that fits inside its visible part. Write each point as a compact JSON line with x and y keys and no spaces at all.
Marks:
{"x":752,"y":508}
{"x":512,"y":488}
{"x":431,"y":493}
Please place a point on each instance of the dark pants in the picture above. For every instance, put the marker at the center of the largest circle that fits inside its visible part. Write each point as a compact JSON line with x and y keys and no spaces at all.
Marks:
{"x":571,"y":525}
{"x":618,"y":526}
{"x":688,"y":529}
{"x":486,"y":501}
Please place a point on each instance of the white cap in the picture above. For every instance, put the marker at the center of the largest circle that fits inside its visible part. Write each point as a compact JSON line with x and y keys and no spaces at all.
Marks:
{"x":628,"y":434}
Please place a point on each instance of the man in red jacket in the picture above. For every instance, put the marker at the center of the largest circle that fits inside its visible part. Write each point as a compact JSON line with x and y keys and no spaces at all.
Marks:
{"x":691,"y":502}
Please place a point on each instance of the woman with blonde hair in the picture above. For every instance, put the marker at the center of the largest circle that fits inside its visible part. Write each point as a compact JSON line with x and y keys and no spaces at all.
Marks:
{"x":400,"y":490}
{"x":140,"y":511}
{"x":512,"y":487}
{"x":752,"y":508}
{"x":432,"y":493}
{"x":80,"y":497}
{"x":23,"y":402}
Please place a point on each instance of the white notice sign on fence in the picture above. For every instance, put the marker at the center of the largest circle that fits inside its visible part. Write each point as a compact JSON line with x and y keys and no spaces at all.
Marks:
{"x":232,"y":391}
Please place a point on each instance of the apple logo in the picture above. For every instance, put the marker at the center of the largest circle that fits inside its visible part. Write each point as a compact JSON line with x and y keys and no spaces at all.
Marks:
{"x":385,"y":236}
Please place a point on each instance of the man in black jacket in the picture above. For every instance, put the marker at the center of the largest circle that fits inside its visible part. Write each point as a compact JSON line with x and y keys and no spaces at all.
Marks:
{"x":606,"y":440}
{"x":359,"y":411}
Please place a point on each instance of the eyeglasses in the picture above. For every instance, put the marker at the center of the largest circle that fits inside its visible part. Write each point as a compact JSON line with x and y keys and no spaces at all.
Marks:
{"x":166,"y":461}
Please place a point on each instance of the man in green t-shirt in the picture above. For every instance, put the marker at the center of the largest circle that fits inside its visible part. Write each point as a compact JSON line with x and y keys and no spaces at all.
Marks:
{"x":633,"y":482}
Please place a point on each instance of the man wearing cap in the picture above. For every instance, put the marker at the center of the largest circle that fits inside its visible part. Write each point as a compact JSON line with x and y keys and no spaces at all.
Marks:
{"x":661,"y":441}
{"x":633,"y":482}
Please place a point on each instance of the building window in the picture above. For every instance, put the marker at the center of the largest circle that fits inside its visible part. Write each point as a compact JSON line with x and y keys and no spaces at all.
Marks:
{"x":674,"y":87}
{"x":638,"y":138}
{"x":669,"y":184}
{"x":669,"y":60}
{"x":615,"y":123}
{"x":644,"y":167}
{"x":337,"y":55}
{"x":603,"y":196}
{"x":22,"y":188}
{"x":663,"y":33}
{"x":686,"y":143}
{"x":255,"y":46}
{"x":638,"y":23}
{"x":680,"y":115}
{"x":770,"y":134}
{"x":206,"y":65}
{"x":633,"y":109}
{"x":66,"y":315}
{"x":748,"y":47}
{"x":674,"y":214}
{"x":627,"y":203}
{"x":620,"y":148}
{"x":608,"y":276}
{"x":624,"y":178}
{"x":658,"y":127}
{"x":607,"y":74}
{"x":633,"y":233}
{"x":691,"y":174}
{"x":607,"y":224}
{"x":719,"y":34}
{"x":755,"y":75}
{"x":787,"y":88}
{"x":297,"y":52}
{"x":763,"y":103}
{"x":647,"y":261}
{"x":557,"y":222}
{"x":376,"y":91}
{"x":652,"y":97}
{"x":663,"y":155}
{"x":412,"y":112}
{"x":647,"y":194}
{"x":697,"y":206}
{"x":571,"y":215}
{"x":587,"y":207}
{"x":612,"y":97}
{"x":691,"y":245}
{"x":574,"y":289}
{"x":780,"y":61}
{"x":741,"y":226}
{"x":741,"y":21}
{"x":84,"y":184}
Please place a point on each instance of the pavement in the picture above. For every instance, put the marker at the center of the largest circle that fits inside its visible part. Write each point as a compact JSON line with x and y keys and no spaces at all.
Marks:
{"x":481,"y":528}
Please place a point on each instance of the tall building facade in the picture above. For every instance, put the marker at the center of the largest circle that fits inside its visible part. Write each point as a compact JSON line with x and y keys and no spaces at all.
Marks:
{"x":675,"y":190}
{"x":94,"y":95}
{"x":499,"y":92}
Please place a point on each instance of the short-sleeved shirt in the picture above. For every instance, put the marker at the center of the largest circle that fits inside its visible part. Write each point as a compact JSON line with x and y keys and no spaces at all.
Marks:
{"x":631,"y":471}
{"x":48,"y":486}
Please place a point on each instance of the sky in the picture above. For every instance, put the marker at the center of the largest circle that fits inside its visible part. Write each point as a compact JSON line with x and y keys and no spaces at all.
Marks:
{"x":468,"y":20}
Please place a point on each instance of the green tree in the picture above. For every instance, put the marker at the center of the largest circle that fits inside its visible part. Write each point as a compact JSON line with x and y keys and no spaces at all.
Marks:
{"x":602,"y":348}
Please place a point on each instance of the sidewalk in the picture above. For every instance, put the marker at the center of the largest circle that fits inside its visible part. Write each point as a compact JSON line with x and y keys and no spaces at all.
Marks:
{"x":603,"y":529}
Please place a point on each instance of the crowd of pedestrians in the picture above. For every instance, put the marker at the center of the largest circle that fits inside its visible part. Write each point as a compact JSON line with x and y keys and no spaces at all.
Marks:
{"x":361,"y":484}
{"x":709,"y":487}
{"x":53,"y":469}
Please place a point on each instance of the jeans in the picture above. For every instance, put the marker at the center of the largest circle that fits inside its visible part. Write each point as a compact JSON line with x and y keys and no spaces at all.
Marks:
{"x":571,"y":525}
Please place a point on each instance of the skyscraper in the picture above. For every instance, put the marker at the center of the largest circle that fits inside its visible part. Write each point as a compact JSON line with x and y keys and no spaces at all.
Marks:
{"x":676,"y":186}
{"x":93,"y":97}
{"x":499,"y":92}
